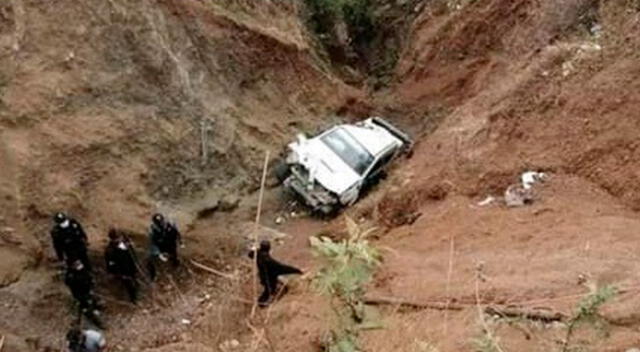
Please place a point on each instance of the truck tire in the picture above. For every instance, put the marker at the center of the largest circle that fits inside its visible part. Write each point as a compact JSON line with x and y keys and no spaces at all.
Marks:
{"x":327,"y":210}
{"x":281,"y":171}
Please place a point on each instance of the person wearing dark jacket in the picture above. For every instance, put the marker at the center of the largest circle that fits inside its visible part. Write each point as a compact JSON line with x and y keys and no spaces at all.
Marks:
{"x":69,"y":240}
{"x":119,"y":259}
{"x":80,"y":282}
{"x":164,"y":239}
{"x":269,"y":270}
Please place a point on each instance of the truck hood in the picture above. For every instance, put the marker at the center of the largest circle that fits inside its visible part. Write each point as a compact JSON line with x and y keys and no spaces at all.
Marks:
{"x":324,"y":166}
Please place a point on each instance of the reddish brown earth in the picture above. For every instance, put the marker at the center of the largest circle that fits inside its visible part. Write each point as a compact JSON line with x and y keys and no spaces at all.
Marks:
{"x":101,"y":116}
{"x":522,"y":94}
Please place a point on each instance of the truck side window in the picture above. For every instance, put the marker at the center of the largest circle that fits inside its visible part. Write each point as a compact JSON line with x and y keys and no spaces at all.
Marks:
{"x":380,"y":164}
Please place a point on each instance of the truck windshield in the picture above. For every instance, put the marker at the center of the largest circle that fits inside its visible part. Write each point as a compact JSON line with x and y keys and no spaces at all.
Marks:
{"x":349,"y":149}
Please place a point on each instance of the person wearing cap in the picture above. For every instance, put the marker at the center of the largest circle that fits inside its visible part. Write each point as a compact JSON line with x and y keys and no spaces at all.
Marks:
{"x":119,"y":258}
{"x":269,"y":270}
{"x":87,"y":340}
{"x":164,"y":239}
{"x":69,"y":240}
{"x":80,"y":282}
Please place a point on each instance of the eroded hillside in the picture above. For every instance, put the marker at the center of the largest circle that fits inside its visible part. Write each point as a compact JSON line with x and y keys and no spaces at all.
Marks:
{"x":114,"y":109}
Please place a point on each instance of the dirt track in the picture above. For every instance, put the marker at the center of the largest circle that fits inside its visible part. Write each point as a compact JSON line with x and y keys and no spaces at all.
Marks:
{"x":102,"y":116}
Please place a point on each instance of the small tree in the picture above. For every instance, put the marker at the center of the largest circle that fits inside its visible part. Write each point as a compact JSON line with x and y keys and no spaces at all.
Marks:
{"x":348,"y":266}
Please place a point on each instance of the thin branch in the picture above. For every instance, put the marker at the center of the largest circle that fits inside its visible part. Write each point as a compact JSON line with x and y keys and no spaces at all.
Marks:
{"x":481,"y":316}
{"x":255,"y":235}
{"x":449,"y":274}
{"x":395,"y":301}
{"x":212,"y":270}
{"x":530,"y":314}
{"x":173,"y":283}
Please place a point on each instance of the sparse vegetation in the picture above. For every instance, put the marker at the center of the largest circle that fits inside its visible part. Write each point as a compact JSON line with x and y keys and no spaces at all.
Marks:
{"x":485,"y":343}
{"x":348,"y":266}
{"x":327,"y":16}
{"x":587,"y":312}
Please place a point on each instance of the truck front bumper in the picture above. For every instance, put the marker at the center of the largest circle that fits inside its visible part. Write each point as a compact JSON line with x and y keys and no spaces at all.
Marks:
{"x":315,"y":197}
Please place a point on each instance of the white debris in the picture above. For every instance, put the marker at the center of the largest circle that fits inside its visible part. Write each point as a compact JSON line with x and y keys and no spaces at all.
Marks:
{"x":487,"y":201}
{"x":529,"y":178}
{"x":69,"y":56}
{"x":567,"y":68}
{"x":517,"y":196}
{"x":279,"y":220}
{"x":590,"y":47}
{"x":521,"y":194}
{"x":229,"y":345}
{"x":186,"y":321}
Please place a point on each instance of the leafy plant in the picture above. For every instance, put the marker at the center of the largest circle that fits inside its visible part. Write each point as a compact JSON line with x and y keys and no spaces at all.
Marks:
{"x":485,"y":343}
{"x":348,"y":266}
{"x":587,"y":312}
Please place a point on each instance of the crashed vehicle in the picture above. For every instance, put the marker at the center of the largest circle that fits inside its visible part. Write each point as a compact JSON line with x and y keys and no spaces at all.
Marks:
{"x":332,"y":169}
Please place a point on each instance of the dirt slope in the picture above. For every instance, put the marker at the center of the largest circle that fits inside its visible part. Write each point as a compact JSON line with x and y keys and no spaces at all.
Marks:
{"x":527,"y":85}
{"x":530,"y":87}
{"x":107,"y":109}
{"x":104,"y":116}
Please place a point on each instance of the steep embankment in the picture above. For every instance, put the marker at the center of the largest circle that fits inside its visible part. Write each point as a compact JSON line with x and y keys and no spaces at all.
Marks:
{"x":108,"y":116}
{"x":509,"y":86}
{"x":111,"y":109}
{"x":545,"y":86}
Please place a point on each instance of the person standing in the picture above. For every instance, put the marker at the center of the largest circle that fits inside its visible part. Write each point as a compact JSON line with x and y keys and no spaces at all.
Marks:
{"x":69,"y":240}
{"x":80,"y":282}
{"x":164,"y":239}
{"x":119,"y":258}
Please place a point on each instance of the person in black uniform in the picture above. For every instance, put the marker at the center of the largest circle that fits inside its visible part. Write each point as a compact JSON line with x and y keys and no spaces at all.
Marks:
{"x":69,"y":240}
{"x":119,"y":257}
{"x":80,"y":282}
{"x":268,"y":271}
{"x":164,"y":239}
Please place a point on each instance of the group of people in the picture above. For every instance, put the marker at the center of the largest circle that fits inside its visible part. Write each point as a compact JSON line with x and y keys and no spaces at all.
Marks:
{"x":70,"y":243}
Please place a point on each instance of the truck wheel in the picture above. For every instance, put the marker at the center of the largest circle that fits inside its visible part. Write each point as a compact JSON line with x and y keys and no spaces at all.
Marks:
{"x":282,"y":171}
{"x":328,"y":211}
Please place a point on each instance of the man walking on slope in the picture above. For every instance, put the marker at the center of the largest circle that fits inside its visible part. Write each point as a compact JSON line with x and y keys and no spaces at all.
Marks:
{"x":268,"y":271}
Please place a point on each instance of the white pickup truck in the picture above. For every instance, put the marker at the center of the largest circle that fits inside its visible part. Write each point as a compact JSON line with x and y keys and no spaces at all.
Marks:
{"x":332,"y":169}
